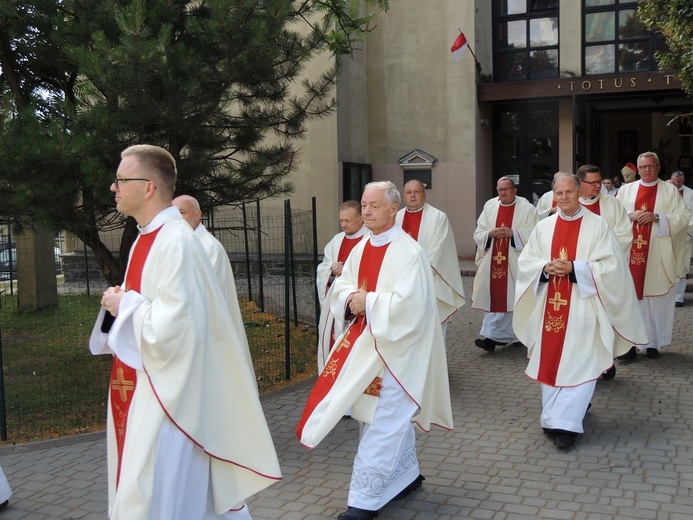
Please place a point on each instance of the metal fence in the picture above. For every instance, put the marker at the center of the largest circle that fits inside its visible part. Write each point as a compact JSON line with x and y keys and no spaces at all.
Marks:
{"x":51,"y":386}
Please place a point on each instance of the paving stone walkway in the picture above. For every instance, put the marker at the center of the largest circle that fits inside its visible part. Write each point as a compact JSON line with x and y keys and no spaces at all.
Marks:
{"x":635,"y":460}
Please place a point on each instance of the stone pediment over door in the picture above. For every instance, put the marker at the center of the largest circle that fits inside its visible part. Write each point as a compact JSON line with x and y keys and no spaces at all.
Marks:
{"x":417,"y":159}
{"x":418,"y":165}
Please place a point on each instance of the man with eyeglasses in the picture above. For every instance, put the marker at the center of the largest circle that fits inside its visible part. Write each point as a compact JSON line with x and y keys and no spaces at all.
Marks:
{"x":660,"y":220}
{"x":187,"y":437}
{"x":611,"y":210}
{"x":502,"y":230}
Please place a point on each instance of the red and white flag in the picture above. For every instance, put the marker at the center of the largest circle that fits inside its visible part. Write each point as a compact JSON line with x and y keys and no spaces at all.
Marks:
{"x":459,"y":47}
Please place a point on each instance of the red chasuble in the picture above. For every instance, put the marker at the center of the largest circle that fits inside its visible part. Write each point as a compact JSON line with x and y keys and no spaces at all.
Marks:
{"x":412,"y":222}
{"x":369,"y":270}
{"x":345,"y":248}
{"x":499,"y":261}
{"x":645,"y":200}
{"x":594,"y":208}
{"x":563,"y":245}
{"x":123,"y":377}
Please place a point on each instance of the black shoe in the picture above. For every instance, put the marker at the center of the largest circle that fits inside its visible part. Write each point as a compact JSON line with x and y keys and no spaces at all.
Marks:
{"x":679,"y":304}
{"x":609,"y":373}
{"x":415,"y":484}
{"x":4,"y":504}
{"x":653,"y":353}
{"x":631,"y":355}
{"x":550,"y":432}
{"x":354,"y":513}
{"x":565,"y":439}
{"x":488,"y":345}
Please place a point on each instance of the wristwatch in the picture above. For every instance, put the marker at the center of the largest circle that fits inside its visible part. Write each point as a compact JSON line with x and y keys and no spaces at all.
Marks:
{"x":656,"y":217}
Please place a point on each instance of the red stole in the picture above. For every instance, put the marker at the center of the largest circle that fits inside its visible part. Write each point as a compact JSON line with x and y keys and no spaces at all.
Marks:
{"x":594,"y":208}
{"x":559,"y":290}
{"x":344,"y":251}
{"x":369,"y":270}
{"x":345,"y":248}
{"x":645,"y":200}
{"x":499,"y":261}
{"x":412,"y":223}
{"x":123,"y":377}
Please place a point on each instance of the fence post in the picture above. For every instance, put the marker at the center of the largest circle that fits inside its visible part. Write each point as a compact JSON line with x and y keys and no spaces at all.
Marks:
{"x":315,"y":260}
{"x":287,"y":326}
{"x":261,"y":285}
{"x":3,"y":410}
{"x":247,"y":253}
{"x":86,"y":267}
{"x":293,"y":266}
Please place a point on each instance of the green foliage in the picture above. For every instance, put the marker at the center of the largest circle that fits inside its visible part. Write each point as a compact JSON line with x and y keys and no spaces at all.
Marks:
{"x":674,"y":19}
{"x":221,"y":84}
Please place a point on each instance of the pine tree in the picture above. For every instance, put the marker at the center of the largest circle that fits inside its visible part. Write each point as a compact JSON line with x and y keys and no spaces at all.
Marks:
{"x":218,"y":83}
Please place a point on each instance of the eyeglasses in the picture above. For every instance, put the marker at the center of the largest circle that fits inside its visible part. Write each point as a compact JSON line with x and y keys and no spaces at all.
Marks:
{"x":593,"y":183}
{"x":647,"y":167}
{"x":117,"y":180}
{"x":501,"y":190}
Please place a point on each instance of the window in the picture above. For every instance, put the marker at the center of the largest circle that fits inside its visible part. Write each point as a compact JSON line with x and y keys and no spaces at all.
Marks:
{"x":526,"y":42}
{"x":615,"y":41}
{"x":355,"y":178}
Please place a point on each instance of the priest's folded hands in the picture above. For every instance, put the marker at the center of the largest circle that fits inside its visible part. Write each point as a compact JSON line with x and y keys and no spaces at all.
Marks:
{"x":558,"y":267}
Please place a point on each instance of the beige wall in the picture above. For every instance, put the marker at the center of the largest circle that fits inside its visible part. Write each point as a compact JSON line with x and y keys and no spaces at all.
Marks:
{"x":406,"y":93}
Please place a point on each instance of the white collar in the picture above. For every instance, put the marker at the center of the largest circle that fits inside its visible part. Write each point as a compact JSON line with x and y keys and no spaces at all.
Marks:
{"x":386,"y":237}
{"x":578,"y":214}
{"x":161,"y":218}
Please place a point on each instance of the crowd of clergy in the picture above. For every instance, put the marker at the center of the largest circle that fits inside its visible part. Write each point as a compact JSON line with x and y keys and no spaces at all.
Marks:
{"x":587,"y":276}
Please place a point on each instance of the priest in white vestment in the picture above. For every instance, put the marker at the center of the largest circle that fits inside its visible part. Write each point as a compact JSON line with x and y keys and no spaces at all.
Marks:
{"x":431,"y":228}
{"x":546,"y":205}
{"x":389,"y":366}
{"x":335,"y":254}
{"x":187,"y":437}
{"x":660,"y":220}
{"x":502,"y":230}
{"x":678,"y":179}
{"x":574,"y":310}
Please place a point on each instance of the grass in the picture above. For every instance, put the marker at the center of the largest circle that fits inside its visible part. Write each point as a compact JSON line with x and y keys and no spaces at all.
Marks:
{"x":54,"y":387}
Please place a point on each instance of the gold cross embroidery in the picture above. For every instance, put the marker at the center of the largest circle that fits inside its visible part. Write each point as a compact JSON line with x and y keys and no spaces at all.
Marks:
{"x":122,"y":385}
{"x":557,"y":302}
{"x":640,"y":242}
{"x":499,"y":258}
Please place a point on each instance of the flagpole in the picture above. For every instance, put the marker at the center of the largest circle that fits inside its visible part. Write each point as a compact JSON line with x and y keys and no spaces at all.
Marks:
{"x":478,"y":65}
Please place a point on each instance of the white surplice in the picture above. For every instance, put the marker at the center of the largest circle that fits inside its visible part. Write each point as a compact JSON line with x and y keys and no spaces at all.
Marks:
{"x":667,"y":250}
{"x":437,"y":239}
{"x":197,"y":443}
{"x":602,"y":322}
{"x":403,"y":344}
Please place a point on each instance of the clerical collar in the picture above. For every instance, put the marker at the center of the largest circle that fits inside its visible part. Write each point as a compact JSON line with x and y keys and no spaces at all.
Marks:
{"x":643,"y":183}
{"x":508,"y":205}
{"x":200,"y":229}
{"x":579,"y":213}
{"x":585,"y":200}
{"x":415,"y":210}
{"x":161,"y":218}
{"x":361,"y":232}
{"x":386,"y":236}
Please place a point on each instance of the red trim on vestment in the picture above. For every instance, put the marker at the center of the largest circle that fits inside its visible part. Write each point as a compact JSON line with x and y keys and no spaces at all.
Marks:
{"x":499,"y":261}
{"x":411,"y":223}
{"x":124,"y":377}
{"x":557,"y":307}
{"x":369,"y":270}
{"x":640,"y":248}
